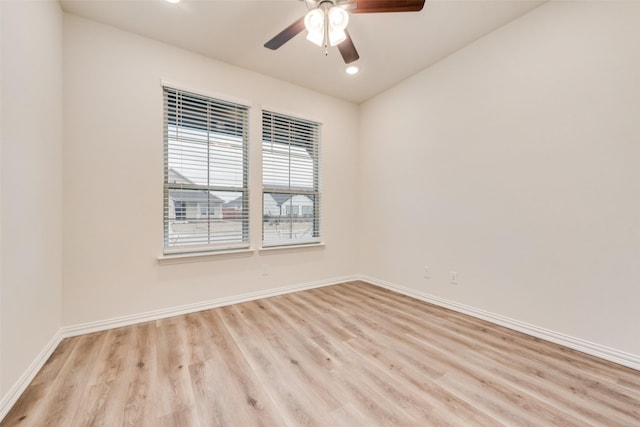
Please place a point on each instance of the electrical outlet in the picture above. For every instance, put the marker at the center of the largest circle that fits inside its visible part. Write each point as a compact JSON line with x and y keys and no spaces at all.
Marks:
{"x":454,"y":277}
{"x":427,"y":272}
{"x":265,"y":269}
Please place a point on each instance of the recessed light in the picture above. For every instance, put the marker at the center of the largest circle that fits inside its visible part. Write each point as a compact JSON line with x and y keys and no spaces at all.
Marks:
{"x":352,"y":70}
{"x":173,"y":1}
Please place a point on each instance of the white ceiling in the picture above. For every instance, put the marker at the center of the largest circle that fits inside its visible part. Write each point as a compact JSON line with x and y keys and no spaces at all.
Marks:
{"x":392,"y":46}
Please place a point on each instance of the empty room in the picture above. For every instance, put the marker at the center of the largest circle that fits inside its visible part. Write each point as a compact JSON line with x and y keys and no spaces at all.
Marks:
{"x":319,"y":213}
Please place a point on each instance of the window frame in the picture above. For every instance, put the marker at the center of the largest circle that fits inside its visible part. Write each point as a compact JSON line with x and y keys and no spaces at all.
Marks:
{"x":315,"y":193}
{"x":212,"y":103}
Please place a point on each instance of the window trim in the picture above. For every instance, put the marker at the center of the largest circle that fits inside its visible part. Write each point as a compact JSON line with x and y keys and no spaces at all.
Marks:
{"x":181,"y":258}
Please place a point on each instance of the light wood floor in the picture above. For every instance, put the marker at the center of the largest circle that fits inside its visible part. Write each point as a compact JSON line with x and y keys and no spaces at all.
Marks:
{"x":345,"y":355}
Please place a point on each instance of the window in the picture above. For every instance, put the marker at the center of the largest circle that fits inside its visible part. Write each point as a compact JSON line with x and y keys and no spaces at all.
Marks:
{"x":181,"y":209}
{"x":205,"y":172}
{"x":290,"y":180}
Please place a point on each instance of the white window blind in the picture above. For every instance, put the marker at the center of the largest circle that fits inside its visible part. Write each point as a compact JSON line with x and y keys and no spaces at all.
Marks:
{"x":290,"y":180}
{"x":205,"y":173}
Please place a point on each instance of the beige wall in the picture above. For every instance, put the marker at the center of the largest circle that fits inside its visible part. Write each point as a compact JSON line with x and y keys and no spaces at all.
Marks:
{"x":114,"y":172}
{"x":31,"y":183}
{"x":515,"y":163}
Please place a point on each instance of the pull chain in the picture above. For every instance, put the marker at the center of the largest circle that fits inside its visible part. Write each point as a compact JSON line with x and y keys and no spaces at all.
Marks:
{"x":326,"y":31}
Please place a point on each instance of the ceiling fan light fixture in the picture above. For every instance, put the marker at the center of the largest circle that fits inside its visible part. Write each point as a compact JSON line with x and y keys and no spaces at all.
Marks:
{"x":315,"y":38}
{"x":314,"y":23}
{"x":336,"y":37}
{"x":338,"y":18}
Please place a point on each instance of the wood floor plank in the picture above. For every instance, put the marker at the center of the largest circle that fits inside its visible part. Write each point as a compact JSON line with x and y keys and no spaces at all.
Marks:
{"x":601,"y":369}
{"x":377,"y":331}
{"x":55,"y":362}
{"x":623,"y":401}
{"x":525,"y":346}
{"x":366,"y":399}
{"x":66,"y":392}
{"x":139,"y":409}
{"x":174,"y":395}
{"x":230,"y":383}
{"x":105,"y":394}
{"x":298,"y":404}
{"x":564,"y":399}
{"x":345,"y":355}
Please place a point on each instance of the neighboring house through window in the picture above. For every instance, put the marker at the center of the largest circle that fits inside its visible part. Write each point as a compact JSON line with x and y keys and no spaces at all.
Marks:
{"x":205,"y":169}
{"x":290,"y":180}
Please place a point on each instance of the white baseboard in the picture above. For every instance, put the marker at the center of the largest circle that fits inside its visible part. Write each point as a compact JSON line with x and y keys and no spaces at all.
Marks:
{"x":606,"y":353}
{"x":132,"y":319}
{"x":10,"y":398}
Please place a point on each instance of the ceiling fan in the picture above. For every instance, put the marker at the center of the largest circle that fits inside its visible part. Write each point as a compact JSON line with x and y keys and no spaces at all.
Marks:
{"x":326,"y":22}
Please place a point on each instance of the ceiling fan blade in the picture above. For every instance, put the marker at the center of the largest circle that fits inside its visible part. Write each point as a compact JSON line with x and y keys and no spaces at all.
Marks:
{"x":285,"y":35}
{"x":348,"y":50}
{"x":380,"y":6}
